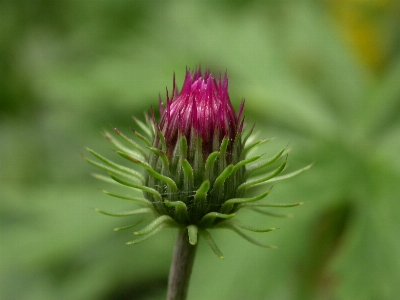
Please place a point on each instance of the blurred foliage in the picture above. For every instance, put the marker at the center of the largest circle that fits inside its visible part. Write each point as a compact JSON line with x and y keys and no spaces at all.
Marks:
{"x":322,"y":75}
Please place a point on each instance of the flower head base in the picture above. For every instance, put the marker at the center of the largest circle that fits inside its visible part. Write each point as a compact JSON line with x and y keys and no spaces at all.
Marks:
{"x":196,"y":167}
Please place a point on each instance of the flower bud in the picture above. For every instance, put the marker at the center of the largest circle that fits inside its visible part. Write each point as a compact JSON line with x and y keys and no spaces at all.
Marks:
{"x":200,"y":135}
{"x":202,"y":110}
{"x":196,"y":166}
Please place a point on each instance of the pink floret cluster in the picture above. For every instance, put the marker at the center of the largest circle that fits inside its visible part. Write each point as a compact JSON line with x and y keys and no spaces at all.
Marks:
{"x":202,"y":109}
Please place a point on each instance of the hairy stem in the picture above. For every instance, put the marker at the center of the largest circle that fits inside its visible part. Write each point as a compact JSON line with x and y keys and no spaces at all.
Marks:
{"x":181,"y":266}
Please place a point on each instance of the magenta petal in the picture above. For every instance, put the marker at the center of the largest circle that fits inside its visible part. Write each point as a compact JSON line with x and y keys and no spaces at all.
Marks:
{"x":202,"y":108}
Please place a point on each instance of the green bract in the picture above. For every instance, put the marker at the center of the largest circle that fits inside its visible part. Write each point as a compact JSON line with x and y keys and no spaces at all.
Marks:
{"x":196,"y":164}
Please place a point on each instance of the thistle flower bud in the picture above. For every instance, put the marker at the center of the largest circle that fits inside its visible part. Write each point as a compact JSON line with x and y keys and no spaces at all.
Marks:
{"x":196,"y":166}
{"x":199,"y":133}
{"x":202,"y":110}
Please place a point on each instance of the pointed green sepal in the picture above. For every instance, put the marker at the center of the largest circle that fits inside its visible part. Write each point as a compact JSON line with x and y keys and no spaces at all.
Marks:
{"x":164,"y":219}
{"x":150,"y":234}
{"x":207,"y":237}
{"x":264,"y":179}
{"x":142,"y":137}
{"x":183,"y":147}
{"x":209,"y":218}
{"x":271,"y":204}
{"x":162,"y":139}
{"x":260,"y":165}
{"x":188,"y":180}
{"x":113,"y":167}
{"x":144,"y":127}
{"x":127,"y":227}
{"x":131,"y":142}
{"x":134,"y":199}
{"x":120,"y":146}
{"x":269,"y":213}
{"x":219,"y":181}
{"x":246,"y":227}
{"x":238,"y":140}
{"x":201,"y":193}
{"x":198,"y":164}
{"x":209,"y":166}
{"x":245,"y":162}
{"x":152,"y":191}
{"x":192,"y":233}
{"x":247,"y":149}
{"x":124,"y":214}
{"x":200,"y":198}
{"x":104,"y":178}
{"x":151,"y":171}
{"x":245,"y":236}
{"x":181,"y":212}
{"x":247,"y":136}
{"x":290,"y":175}
{"x":162,"y":155}
{"x":110,"y":170}
{"x":222,"y":149}
{"x":228,"y":205}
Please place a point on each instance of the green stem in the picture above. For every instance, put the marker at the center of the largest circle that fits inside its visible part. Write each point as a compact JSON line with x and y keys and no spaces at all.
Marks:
{"x":181,"y":266}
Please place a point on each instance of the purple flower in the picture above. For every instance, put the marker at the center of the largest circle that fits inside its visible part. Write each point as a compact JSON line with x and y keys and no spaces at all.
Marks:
{"x":201,"y":110}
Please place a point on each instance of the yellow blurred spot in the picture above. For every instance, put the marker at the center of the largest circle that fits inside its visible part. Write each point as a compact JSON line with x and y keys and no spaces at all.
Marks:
{"x":360,"y":23}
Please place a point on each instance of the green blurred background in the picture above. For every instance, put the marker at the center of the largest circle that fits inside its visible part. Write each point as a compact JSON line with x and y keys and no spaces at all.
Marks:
{"x":322,"y":75}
